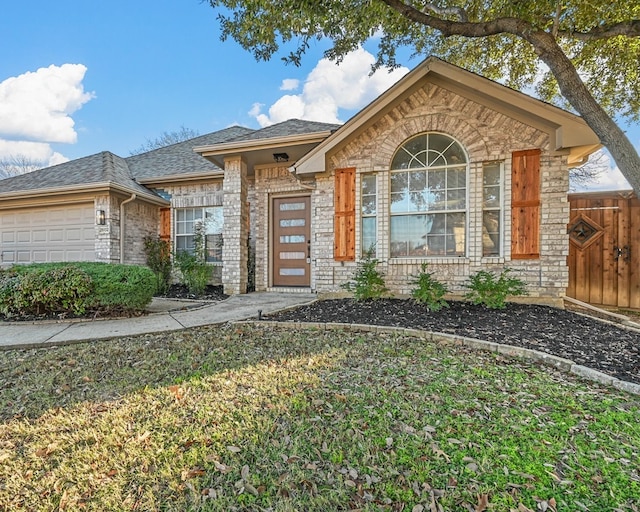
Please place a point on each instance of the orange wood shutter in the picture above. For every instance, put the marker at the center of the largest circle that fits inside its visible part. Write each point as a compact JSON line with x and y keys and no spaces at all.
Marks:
{"x":165,"y":224}
{"x":525,"y":204}
{"x":344,"y":245}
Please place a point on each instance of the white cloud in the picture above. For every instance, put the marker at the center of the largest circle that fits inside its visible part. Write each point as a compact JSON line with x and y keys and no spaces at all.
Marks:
{"x":612,"y":179}
{"x":330,"y":87}
{"x":38,"y":151}
{"x":36,"y":109}
{"x":609,"y":179}
{"x":290,"y":84}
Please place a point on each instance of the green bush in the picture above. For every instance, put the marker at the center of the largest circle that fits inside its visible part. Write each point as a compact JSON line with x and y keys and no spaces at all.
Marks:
{"x":127,"y":287}
{"x":491,"y":290}
{"x":429,"y":291}
{"x":112,"y":287}
{"x":158,"y":254}
{"x":368,"y":282}
{"x":194,"y":273}
{"x":40,"y":291}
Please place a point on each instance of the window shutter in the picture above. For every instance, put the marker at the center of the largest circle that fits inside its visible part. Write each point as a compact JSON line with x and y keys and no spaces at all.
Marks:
{"x":344,"y":245}
{"x":525,"y":204}
{"x":165,"y":224}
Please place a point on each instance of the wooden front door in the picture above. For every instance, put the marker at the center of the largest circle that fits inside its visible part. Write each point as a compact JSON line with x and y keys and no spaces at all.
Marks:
{"x":604,"y":249}
{"x":291,"y":242}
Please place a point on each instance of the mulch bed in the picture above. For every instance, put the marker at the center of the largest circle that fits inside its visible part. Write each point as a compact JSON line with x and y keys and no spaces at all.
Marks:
{"x":587,"y":341}
{"x":180,"y":291}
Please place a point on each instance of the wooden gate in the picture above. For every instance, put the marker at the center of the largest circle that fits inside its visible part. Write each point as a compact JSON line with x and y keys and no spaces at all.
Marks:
{"x":604,"y":249}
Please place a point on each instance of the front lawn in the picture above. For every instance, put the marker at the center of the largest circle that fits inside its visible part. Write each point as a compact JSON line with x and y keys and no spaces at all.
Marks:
{"x":268,"y":418}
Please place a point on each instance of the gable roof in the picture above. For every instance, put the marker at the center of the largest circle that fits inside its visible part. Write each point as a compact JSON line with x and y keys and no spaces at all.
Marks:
{"x":567,"y":131}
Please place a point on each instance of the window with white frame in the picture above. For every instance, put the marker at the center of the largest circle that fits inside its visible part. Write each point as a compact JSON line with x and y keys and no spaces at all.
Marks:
{"x":369,"y":199}
{"x":428,"y":198}
{"x":187,"y":221}
{"x":492,"y":193}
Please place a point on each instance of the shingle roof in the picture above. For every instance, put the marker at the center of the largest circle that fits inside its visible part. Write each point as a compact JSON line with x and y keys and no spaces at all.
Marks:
{"x":284,"y":129}
{"x":180,"y":158}
{"x":176,"y":159}
{"x":104,"y":167}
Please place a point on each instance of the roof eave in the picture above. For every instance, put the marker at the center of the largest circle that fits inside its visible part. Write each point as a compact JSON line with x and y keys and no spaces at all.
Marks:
{"x":78,"y":189}
{"x":174,"y":178}
{"x":260,"y":144}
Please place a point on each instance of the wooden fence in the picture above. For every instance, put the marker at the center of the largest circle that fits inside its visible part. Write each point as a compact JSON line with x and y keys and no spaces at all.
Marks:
{"x":604,"y":249}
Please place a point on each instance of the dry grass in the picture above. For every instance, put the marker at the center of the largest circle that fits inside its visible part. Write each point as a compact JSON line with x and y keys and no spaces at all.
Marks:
{"x":263,"y":418}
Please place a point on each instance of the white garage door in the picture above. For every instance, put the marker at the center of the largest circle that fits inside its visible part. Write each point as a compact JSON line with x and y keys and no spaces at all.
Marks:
{"x":55,"y":233}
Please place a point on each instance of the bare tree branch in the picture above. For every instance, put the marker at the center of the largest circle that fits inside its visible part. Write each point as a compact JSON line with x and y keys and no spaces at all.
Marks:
{"x":14,"y":165}
{"x":165,"y":139}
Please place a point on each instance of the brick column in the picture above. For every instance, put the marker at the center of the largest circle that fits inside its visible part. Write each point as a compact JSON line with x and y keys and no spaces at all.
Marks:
{"x":236,"y":229}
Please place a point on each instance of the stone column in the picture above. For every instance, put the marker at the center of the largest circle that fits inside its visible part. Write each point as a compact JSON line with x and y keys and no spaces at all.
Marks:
{"x":236,"y":226}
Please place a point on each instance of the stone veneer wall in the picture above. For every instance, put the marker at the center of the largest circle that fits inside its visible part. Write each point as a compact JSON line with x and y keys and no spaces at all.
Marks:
{"x":108,"y":236}
{"x":195,"y":195}
{"x":141,"y":220}
{"x":236,"y":226}
{"x":487,"y":136}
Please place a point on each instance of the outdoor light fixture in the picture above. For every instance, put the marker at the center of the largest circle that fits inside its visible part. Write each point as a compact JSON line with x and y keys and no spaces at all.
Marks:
{"x":280,"y":157}
{"x":101,"y":220}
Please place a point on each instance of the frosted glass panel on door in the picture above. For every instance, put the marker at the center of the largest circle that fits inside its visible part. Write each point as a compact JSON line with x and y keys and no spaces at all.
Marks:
{"x":292,"y":256}
{"x":292,"y":223}
{"x":292,"y":239}
{"x":284,"y":207}
{"x":291,"y":271}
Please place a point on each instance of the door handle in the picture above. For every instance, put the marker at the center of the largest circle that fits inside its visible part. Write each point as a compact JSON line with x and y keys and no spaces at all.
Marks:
{"x":308,"y":251}
{"x":624,"y":252}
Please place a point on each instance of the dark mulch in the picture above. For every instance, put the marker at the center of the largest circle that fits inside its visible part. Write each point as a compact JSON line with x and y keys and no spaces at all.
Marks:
{"x":180,"y":291}
{"x":587,"y":341}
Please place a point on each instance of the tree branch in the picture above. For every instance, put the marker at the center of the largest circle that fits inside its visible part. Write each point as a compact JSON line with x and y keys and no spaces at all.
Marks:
{"x":449,"y":11}
{"x":460,"y":28}
{"x":624,"y":28}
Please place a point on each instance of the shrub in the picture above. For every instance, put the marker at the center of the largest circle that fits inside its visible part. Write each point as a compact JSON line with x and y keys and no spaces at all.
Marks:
{"x":113,"y":286}
{"x":429,"y":291}
{"x":368,"y":282}
{"x":158,"y":254}
{"x":127,"y":287}
{"x":194,"y":271}
{"x":492,"y":291}
{"x":45,"y":291}
{"x":194,"y":274}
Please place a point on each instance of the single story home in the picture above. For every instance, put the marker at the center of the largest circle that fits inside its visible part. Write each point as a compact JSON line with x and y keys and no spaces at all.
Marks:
{"x":445,"y":167}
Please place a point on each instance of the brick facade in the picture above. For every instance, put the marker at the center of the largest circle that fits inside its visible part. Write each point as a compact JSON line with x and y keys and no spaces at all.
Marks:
{"x":487,"y":136}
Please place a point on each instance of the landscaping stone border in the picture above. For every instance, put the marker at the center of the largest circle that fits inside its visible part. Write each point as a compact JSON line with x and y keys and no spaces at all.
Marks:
{"x":559,"y":363}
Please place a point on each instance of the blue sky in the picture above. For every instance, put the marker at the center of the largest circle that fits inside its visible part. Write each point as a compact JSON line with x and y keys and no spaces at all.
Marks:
{"x":79,"y":77}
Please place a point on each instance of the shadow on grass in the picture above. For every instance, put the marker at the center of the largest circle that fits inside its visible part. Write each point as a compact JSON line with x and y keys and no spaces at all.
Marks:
{"x":255,"y":418}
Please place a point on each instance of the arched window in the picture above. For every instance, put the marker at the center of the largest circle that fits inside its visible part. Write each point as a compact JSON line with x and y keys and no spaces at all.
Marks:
{"x":428,"y":198}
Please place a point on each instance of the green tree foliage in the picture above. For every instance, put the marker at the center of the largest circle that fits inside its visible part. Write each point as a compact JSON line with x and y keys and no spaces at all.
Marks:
{"x":583,"y":53}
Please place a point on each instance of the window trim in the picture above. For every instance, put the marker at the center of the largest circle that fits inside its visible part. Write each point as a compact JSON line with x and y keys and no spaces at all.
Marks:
{"x":176,"y":235}
{"x":500,"y":208}
{"x":465,"y":211}
{"x":364,"y":215}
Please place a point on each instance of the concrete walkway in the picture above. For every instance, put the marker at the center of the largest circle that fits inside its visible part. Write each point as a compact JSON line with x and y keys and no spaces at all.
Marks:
{"x":173,"y":316}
